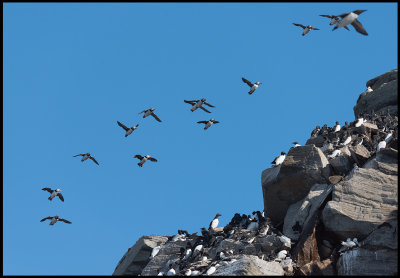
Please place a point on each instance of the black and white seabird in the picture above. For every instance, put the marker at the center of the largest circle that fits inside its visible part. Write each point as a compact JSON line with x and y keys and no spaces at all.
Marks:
{"x":143,"y":159}
{"x":334,"y":19}
{"x":54,"y":219}
{"x":171,"y":271}
{"x":251,"y":85}
{"x":86,"y":156}
{"x":346,"y":138}
{"x":296,"y":144}
{"x":348,"y":244}
{"x":198,"y":104}
{"x":279,"y":159}
{"x":306,"y":28}
{"x":351,"y":18}
{"x":54,"y":193}
{"x":381,"y":145}
{"x":149,"y":112}
{"x":214,"y":222}
{"x":315,"y":132}
{"x":337,"y":127}
{"x":128,"y":130}
{"x":208,"y":123}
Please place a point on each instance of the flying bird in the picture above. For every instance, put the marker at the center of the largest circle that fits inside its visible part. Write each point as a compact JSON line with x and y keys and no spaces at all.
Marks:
{"x":54,"y":193}
{"x":54,"y":219}
{"x":351,"y":18}
{"x":208,"y":123}
{"x":198,"y":104}
{"x":149,"y":112}
{"x":143,"y":159}
{"x":128,"y":130}
{"x":86,"y":156}
{"x":306,"y":28}
{"x":251,"y":85}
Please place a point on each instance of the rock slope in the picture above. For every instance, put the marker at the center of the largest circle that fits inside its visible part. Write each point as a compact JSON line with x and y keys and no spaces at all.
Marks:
{"x":324,"y":192}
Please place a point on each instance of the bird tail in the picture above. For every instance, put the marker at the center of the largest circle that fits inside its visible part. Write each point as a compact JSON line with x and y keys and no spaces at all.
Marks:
{"x":334,"y":28}
{"x":140,"y":165}
{"x":50,"y":198}
{"x":250,"y":92}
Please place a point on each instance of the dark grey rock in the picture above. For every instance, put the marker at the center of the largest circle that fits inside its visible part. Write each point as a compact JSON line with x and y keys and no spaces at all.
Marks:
{"x":291,"y":181}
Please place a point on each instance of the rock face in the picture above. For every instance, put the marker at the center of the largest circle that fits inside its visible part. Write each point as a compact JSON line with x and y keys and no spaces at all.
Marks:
{"x":250,"y":265}
{"x":313,"y":202}
{"x":291,"y":181}
{"x":137,"y":257}
{"x":361,"y":203}
{"x":383,"y":96}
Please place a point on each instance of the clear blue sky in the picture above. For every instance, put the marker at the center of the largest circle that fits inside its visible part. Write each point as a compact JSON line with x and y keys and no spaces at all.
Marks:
{"x":72,"y":70}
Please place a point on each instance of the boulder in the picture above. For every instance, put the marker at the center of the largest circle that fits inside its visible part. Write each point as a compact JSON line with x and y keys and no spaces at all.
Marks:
{"x":137,"y":257}
{"x":383,"y":96}
{"x":291,"y":181}
{"x":361,"y":203}
{"x":303,"y":210}
{"x":341,"y":164}
{"x":359,"y":154}
{"x":250,"y":265}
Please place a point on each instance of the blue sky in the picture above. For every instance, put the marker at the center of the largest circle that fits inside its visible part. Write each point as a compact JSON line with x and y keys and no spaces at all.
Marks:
{"x":71,"y":71}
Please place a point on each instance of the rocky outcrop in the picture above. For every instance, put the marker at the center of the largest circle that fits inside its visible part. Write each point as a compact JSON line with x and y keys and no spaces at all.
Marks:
{"x":291,"y":181}
{"x":383,"y":96}
{"x":137,"y":257}
{"x":315,"y":200}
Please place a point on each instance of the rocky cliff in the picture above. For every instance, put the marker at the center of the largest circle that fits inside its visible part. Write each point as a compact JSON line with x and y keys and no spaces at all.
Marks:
{"x":341,"y":185}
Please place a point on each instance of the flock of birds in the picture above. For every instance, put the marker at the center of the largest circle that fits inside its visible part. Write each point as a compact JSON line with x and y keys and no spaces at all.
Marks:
{"x":341,"y":20}
{"x":194,"y":259}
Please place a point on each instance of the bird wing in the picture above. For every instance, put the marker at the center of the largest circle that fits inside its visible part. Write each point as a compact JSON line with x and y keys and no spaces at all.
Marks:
{"x":138,"y":156}
{"x":92,"y":158}
{"x":123,"y":126}
{"x":48,"y":217}
{"x":201,"y":107}
{"x":152,"y":159}
{"x":64,"y":220}
{"x":47,"y":189}
{"x":202,"y":122}
{"x":155,"y":117}
{"x":275,"y":159}
{"x":143,"y":111}
{"x":206,"y":103}
{"x":79,"y":155}
{"x":302,"y":26}
{"x":314,"y":28}
{"x":247,"y":82}
{"x":60,"y":196}
{"x":343,"y":15}
{"x":347,"y":28}
{"x":324,"y":15}
{"x":190,"y":101}
{"x":359,"y":28}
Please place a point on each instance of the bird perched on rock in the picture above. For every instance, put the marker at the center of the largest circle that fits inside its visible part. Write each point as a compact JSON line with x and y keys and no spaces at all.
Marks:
{"x":348,"y":244}
{"x":346,"y":138}
{"x":315,"y":132}
{"x":198,"y":104}
{"x":351,"y":18}
{"x":171,"y":271}
{"x":128,"y":130}
{"x":368,"y":90}
{"x":143,"y":159}
{"x":359,"y":140}
{"x":149,"y":112}
{"x":337,"y":127}
{"x":296,"y":144}
{"x":359,"y":121}
{"x":279,"y":159}
{"x":54,"y":193}
{"x":381,"y":145}
{"x":281,"y":255}
{"x":155,"y":251}
{"x":214,"y":222}
{"x":306,"y":29}
{"x":54,"y":220}
{"x":86,"y":156}
{"x":252,"y":86}
{"x":208,"y":123}
{"x":334,"y":154}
